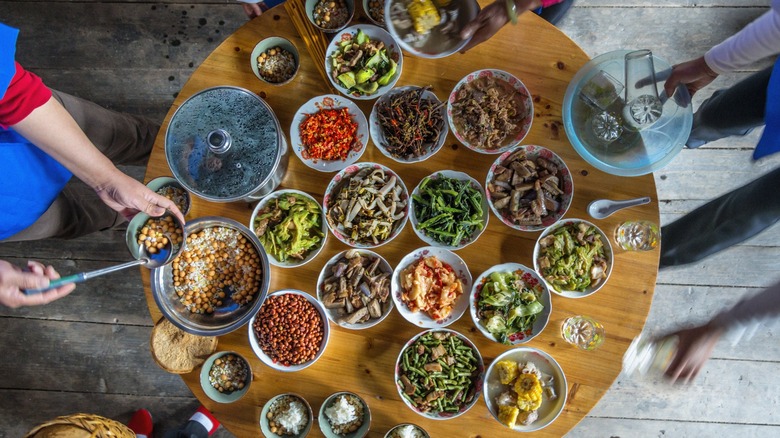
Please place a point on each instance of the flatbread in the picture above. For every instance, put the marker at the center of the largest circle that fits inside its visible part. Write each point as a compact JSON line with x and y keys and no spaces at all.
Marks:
{"x":177,"y":351}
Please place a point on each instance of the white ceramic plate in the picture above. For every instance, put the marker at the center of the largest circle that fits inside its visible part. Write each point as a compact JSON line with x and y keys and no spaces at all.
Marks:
{"x":461,"y":177}
{"x":377,"y":132}
{"x":517,"y":85}
{"x":382,"y":267}
{"x":447,"y":257}
{"x":373,"y":33}
{"x":531,"y":280}
{"x":607,"y":251}
{"x":550,"y":409}
{"x":266,"y":359}
{"x":291,"y":263}
{"x":332,"y":191}
{"x":329,"y":101}
{"x":532,"y":153}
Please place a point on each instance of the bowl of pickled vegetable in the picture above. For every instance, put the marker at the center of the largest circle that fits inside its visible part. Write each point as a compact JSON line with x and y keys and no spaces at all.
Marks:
{"x":510,"y":304}
{"x":449,"y":361}
{"x":449,"y":210}
{"x":409,"y":124}
{"x":363,"y":61}
{"x":329,"y":133}
{"x":574,"y":257}
{"x":366,"y":205}
{"x":291,"y":226}
{"x":330,"y":16}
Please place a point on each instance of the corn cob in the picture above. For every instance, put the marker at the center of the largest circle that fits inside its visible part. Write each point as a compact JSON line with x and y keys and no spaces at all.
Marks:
{"x":424,"y":14}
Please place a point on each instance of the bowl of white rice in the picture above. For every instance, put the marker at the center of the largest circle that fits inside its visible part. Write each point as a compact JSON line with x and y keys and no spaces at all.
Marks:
{"x":407,"y":430}
{"x":344,"y":415}
{"x":286,"y":415}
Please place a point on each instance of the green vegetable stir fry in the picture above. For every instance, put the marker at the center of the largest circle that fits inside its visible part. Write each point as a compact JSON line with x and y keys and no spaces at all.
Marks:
{"x":289,"y":227}
{"x":448,"y":210}
{"x":438,"y":373}
{"x":572,"y":258}
{"x":361,"y":64}
{"x":507,"y":307}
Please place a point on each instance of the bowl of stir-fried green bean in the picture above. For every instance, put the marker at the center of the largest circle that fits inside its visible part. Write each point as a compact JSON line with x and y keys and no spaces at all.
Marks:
{"x":439,"y":374}
{"x":449,"y":210}
{"x":574,"y":257}
{"x":510,"y":304}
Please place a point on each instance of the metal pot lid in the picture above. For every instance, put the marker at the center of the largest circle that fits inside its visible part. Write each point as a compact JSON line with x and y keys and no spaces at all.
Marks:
{"x":223,"y":143}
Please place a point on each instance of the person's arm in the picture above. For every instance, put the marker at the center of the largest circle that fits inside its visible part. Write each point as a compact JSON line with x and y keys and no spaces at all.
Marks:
{"x":494,"y":16}
{"x":13,"y":280}
{"x":696,"y":344}
{"x":756,"y":41}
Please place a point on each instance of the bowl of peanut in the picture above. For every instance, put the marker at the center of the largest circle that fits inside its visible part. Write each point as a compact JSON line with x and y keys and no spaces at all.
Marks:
{"x":291,"y":330}
{"x":275,"y":60}
{"x":219,"y":280}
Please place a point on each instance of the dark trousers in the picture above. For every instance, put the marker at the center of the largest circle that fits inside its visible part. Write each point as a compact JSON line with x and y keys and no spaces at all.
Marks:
{"x":192,"y":429}
{"x":741,"y":213}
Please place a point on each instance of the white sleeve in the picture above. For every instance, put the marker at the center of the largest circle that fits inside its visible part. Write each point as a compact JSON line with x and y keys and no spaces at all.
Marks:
{"x":750,"y":314}
{"x":756,"y":41}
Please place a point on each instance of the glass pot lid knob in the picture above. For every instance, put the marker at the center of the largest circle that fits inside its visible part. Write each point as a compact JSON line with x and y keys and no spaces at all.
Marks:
{"x":219,"y":141}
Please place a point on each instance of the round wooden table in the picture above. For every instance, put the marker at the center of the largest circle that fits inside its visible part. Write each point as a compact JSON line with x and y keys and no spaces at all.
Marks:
{"x":363,"y":361}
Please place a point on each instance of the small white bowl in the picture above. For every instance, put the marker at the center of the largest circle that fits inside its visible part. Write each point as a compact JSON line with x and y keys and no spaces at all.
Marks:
{"x":477,"y":377}
{"x":327,"y":429}
{"x":314,"y":105}
{"x":383,"y":267}
{"x":373,"y":33}
{"x":533,"y":152}
{"x":423,"y":433}
{"x":167,"y":181}
{"x":512,"y":81}
{"x":310,"y":4}
{"x":291,"y":263}
{"x":212,"y":392}
{"x":269,"y":43}
{"x":265,"y":358}
{"x":381,"y":12}
{"x":265,"y":422}
{"x":447,"y":257}
{"x":532,"y":281}
{"x":416,"y":222}
{"x":607,"y":252}
{"x":550,"y":409}
{"x":340,"y":180}
{"x":377,"y":131}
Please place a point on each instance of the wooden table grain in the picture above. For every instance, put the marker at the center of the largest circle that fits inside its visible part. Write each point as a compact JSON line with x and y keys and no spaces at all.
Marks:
{"x":363,"y":361}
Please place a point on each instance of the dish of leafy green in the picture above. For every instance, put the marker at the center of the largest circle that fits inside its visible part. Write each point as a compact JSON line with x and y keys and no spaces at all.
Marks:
{"x":573,"y":256}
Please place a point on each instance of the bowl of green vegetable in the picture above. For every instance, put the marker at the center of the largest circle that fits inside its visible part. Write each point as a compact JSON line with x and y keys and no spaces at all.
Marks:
{"x":446,"y":359}
{"x":363,"y":61}
{"x":291,"y":226}
{"x":510,"y":304}
{"x":449,"y":210}
{"x":574,"y":258}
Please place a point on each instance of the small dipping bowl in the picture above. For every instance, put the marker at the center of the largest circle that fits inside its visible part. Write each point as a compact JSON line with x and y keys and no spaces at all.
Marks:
{"x":376,"y":13}
{"x":312,"y":4}
{"x":134,"y":230}
{"x":326,"y":427}
{"x":263,"y":47}
{"x":396,"y":430}
{"x":159,"y":184}
{"x":265,"y":421}
{"x":212,"y":392}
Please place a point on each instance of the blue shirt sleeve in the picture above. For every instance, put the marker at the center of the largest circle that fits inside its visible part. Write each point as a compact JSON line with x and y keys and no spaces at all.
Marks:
{"x":8,"y":37}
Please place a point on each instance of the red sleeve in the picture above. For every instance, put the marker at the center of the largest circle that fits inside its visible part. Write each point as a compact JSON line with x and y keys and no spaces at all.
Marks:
{"x":548,"y":3}
{"x":25,"y":93}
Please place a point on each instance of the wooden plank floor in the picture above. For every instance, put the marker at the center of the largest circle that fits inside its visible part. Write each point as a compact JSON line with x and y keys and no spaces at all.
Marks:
{"x":89,"y":352}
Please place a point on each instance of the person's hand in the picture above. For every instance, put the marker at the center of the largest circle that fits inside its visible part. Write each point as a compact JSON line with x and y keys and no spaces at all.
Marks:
{"x":128,"y":197}
{"x":252,"y":10}
{"x":37,"y":276}
{"x":693,"y":351}
{"x":694,"y":74}
{"x":490,"y":20}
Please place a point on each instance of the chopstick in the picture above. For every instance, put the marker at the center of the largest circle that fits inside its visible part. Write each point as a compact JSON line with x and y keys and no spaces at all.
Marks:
{"x":313,"y":38}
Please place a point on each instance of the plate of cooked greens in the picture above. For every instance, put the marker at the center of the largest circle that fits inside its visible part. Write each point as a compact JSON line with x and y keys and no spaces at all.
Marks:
{"x":510,"y":304}
{"x":449,"y":210}
{"x":574,"y":257}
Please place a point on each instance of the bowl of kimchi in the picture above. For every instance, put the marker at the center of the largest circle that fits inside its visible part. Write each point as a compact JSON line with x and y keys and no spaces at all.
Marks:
{"x":430,"y":287}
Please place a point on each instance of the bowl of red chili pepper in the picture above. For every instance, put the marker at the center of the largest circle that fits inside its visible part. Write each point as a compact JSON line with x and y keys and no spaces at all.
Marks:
{"x":328,"y":133}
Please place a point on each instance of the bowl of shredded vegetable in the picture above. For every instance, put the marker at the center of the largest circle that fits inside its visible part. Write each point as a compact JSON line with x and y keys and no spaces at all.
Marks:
{"x":366,"y":205}
{"x":329,"y":133}
{"x":512,"y":190}
{"x":409,"y":124}
{"x":449,"y":210}
{"x":430,"y":287}
{"x":510,"y":304}
{"x":574,"y":257}
{"x":291,"y":226}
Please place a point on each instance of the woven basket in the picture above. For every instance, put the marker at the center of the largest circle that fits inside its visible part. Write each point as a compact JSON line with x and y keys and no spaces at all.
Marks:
{"x":81,"y":425}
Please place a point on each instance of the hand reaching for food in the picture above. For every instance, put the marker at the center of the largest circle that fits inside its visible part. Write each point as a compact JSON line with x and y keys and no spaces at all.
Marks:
{"x":13,"y":280}
{"x":127,"y":196}
{"x":491,"y":19}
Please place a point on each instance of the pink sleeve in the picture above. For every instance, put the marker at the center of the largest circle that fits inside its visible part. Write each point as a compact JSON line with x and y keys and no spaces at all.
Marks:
{"x":548,"y":3}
